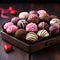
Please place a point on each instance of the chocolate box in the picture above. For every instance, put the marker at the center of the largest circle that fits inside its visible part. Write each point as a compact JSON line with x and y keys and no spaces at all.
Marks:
{"x":30,"y":47}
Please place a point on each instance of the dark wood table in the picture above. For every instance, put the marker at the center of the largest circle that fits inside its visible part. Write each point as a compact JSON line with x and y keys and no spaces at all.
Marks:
{"x":51,"y":53}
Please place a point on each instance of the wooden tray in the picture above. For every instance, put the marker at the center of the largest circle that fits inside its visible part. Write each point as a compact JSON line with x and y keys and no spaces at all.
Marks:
{"x":30,"y":47}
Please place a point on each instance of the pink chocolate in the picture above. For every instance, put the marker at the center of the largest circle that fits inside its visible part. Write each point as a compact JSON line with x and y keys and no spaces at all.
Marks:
{"x":12,"y":29}
{"x":7,"y":25}
{"x":31,"y":27}
{"x":41,"y":12}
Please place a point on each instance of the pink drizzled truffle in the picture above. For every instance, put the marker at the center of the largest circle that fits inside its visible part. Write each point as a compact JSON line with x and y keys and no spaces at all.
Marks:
{"x":43,"y":15}
{"x":11,"y":29}
{"x":7,"y":25}
{"x":33,"y":18}
{"x":31,"y":27}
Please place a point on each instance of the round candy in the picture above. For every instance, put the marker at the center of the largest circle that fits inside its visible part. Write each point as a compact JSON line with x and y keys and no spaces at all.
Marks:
{"x":42,"y":33}
{"x":22,"y":24}
{"x":20,"y":34}
{"x":54,"y":29}
{"x":6,"y":25}
{"x":23,"y":15}
{"x":31,"y":37}
{"x":56,"y":24}
{"x":13,"y":12}
{"x":55,"y":20}
{"x":43,"y":25}
{"x":33,"y":12}
{"x":43,"y":15}
{"x":33,"y":18}
{"x":31,"y":27}
{"x":53,"y":16}
{"x":8,"y":48}
{"x":12,"y":29}
{"x":14,"y":20}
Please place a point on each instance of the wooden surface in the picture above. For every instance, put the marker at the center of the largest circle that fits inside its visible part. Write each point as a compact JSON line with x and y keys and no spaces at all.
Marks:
{"x":51,"y":53}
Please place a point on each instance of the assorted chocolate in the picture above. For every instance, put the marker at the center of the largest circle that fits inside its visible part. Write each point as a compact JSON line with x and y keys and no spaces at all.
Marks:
{"x":33,"y":25}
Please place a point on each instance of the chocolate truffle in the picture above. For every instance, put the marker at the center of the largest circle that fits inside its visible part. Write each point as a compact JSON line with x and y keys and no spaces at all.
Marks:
{"x":14,"y":20}
{"x":12,"y":29}
{"x":31,"y":27}
{"x":22,"y":24}
{"x":31,"y":37}
{"x":54,"y":30}
{"x":42,"y":33}
{"x":6,"y":25}
{"x":57,"y":25}
{"x":55,"y":20}
{"x":43,"y":25}
{"x":23,"y":15}
{"x":33,"y":12}
{"x":43,"y":15}
{"x":33,"y":18}
{"x":20,"y":34}
{"x":52,"y":16}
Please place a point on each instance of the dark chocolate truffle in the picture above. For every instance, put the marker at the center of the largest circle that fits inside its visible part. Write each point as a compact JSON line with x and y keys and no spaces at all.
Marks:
{"x":22,"y":24}
{"x":14,"y":20}
{"x":43,"y":25}
{"x":33,"y":18}
{"x":54,"y":30}
{"x":20,"y":34}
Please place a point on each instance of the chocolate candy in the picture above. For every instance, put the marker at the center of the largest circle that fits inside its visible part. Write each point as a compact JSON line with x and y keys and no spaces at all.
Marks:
{"x":23,"y":15}
{"x":33,"y":18}
{"x":42,"y":33}
{"x":43,"y":15}
{"x":54,"y":30}
{"x":22,"y":24}
{"x":43,"y":25}
{"x":20,"y":34}
{"x":14,"y":20}
{"x":31,"y":37}
{"x":55,"y":20}
{"x":31,"y":27}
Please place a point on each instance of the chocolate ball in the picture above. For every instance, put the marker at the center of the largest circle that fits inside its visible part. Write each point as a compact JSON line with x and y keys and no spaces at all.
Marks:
{"x":43,"y":33}
{"x":55,"y":20}
{"x":14,"y":20}
{"x":20,"y":34}
{"x":43,"y":15}
{"x":54,"y":30}
{"x":22,"y":24}
{"x":31,"y":27}
{"x":23,"y":15}
{"x":52,"y":16}
{"x":43,"y":25}
{"x":57,"y":25}
{"x":33,"y":18}
{"x":33,"y":12}
{"x":31,"y":37}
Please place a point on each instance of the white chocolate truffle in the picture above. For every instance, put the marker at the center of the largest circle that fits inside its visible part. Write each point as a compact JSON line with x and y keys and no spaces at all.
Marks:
{"x":31,"y":37}
{"x":42,"y":33}
{"x":55,"y":20}
{"x":23,"y":15}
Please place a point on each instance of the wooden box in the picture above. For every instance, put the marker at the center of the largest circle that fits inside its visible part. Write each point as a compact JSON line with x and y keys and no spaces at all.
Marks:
{"x":30,"y":47}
